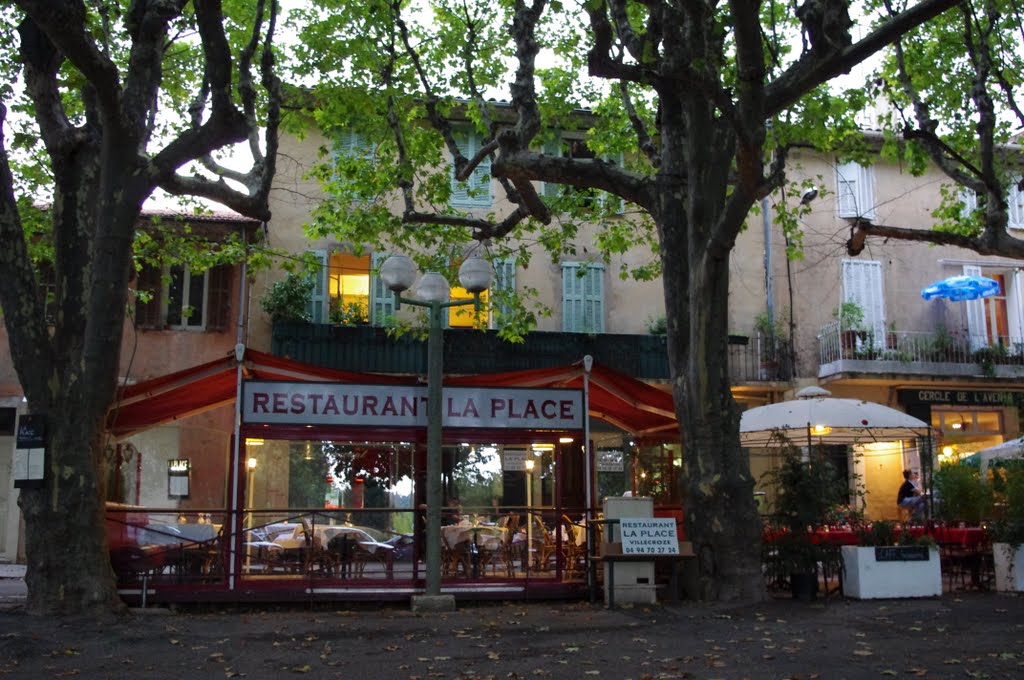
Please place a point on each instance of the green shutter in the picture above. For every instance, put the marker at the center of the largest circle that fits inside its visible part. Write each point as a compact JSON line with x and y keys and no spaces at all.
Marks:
{"x":582,"y":297}
{"x":317,"y":306}
{"x":475,"y":192}
{"x":504,"y":283}
{"x":593,"y":299}
{"x":382,"y":300}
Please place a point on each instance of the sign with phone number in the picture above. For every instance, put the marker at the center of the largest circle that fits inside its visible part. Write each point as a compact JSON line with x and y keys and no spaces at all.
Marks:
{"x":649,"y":536}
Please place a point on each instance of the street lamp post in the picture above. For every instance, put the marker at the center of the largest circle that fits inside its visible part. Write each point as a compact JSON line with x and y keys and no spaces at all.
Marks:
{"x":398,"y":273}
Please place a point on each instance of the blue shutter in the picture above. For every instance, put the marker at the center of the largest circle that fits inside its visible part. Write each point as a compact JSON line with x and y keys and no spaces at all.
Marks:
{"x":382,"y":300}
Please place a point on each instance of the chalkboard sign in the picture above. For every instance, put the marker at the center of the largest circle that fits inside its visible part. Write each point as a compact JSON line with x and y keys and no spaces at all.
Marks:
{"x":902,"y":553}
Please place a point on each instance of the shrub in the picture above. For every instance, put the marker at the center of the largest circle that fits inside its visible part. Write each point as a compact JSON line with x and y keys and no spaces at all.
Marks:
{"x":288,"y":299}
{"x":961,"y":493}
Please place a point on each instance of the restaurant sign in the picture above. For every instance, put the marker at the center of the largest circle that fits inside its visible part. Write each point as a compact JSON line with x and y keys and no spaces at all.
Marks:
{"x":299,"y":403}
{"x":649,"y":536}
{"x":958,"y":397}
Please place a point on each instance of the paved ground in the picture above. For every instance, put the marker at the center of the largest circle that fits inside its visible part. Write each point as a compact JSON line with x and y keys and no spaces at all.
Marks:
{"x":970,"y":635}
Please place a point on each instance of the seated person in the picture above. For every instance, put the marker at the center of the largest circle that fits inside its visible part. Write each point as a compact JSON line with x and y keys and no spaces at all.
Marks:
{"x":909,"y":495}
{"x":451,"y":513}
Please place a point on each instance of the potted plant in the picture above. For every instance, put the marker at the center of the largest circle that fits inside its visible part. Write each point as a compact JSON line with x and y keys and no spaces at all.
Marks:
{"x":771,"y":335}
{"x":1007,"y":530}
{"x":805,"y":490}
{"x":960,"y":495}
{"x":891,"y":564}
{"x":850,"y":316}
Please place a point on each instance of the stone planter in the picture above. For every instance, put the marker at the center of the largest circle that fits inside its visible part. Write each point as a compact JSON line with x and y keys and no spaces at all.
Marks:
{"x":891,"y":571}
{"x":1009,"y":567}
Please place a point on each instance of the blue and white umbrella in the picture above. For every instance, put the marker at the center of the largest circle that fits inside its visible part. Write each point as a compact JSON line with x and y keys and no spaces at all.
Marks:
{"x":960,"y":288}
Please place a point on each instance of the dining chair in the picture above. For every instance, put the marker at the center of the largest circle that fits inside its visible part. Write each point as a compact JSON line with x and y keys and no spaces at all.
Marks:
{"x":544,"y":547}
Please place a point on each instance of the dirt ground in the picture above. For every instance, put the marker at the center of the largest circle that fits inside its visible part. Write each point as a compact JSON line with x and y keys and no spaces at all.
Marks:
{"x":971,"y":635}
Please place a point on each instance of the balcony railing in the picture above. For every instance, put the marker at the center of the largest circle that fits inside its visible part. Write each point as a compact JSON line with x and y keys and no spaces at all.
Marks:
{"x":365,"y":348}
{"x":936,"y":352}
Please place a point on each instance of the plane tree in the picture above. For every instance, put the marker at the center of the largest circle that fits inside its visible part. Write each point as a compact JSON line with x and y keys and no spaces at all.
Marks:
{"x":104,"y":103}
{"x":967,"y":123}
{"x":687,"y":110}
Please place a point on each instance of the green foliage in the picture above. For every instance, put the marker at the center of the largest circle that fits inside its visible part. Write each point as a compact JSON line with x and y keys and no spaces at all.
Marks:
{"x":288,"y":298}
{"x":1008,"y":492}
{"x":351,"y":314}
{"x":963,"y":496}
{"x":770,"y":328}
{"x":657,"y":325}
{"x":878,"y":533}
{"x":805,"y":490}
{"x":850,"y":316}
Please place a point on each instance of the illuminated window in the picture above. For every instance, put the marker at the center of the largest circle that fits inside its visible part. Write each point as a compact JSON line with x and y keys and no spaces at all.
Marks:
{"x":466,"y":316}
{"x":348,"y":288}
{"x":347,"y":292}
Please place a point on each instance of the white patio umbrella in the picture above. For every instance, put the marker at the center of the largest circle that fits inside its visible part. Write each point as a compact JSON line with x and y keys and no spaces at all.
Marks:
{"x":1010,"y":449}
{"x":818,"y":418}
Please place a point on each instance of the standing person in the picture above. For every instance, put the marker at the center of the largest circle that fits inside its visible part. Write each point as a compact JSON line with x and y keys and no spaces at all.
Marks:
{"x":910,"y":496}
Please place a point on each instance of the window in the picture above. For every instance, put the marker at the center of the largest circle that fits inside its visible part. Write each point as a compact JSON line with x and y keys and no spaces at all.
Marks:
{"x":855,"y":189}
{"x":582,"y":297}
{"x":180,"y":298}
{"x":997,"y":320}
{"x":578,"y":149}
{"x":475,"y":192}
{"x":862,"y":284}
{"x":467,"y":316}
{"x":346,"y":292}
{"x":1014,"y":200}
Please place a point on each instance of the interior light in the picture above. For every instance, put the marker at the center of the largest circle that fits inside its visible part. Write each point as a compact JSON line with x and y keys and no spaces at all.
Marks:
{"x":253,"y":441}
{"x":947,"y":451}
{"x":821,"y":429}
{"x":251,"y":463}
{"x":529,"y":465}
{"x":565,"y":440}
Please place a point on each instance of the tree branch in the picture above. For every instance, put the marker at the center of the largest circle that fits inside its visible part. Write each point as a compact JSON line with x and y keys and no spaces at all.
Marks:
{"x":989,"y":243}
{"x":23,"y":311}
{"x":812,"y":69}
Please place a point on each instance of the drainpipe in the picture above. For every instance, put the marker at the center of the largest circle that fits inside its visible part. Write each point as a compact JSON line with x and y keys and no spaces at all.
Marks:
{"x":235,"y":511}
{"x":769,"y":282}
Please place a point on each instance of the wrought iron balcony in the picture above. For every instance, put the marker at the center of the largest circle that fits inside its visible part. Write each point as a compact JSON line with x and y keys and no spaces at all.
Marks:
{"x":466,"y":351}
{"x":934,"y":353}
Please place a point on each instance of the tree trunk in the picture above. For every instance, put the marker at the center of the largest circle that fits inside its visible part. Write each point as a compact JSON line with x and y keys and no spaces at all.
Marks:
{"x":66,"y":544}
{"x":718,"y":490}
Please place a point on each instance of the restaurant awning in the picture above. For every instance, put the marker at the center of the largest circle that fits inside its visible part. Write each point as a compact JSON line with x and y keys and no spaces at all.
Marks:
{"x":616,"y":398}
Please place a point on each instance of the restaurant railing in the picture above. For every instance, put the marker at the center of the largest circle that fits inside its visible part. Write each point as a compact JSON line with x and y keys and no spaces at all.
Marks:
{"x":166,"y":547}
{"x":982,"y":353}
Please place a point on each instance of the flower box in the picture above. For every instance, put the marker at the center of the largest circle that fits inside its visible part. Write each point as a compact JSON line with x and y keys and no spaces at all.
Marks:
{"x":1009,"y":567}
{"x":891,"y":571}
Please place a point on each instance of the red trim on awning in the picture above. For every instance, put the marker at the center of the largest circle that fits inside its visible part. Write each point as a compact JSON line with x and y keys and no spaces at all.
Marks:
{"x":623,"y":401}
